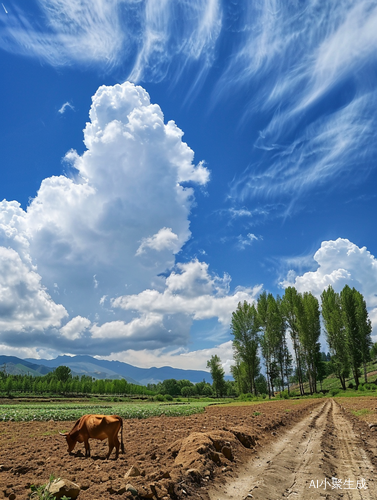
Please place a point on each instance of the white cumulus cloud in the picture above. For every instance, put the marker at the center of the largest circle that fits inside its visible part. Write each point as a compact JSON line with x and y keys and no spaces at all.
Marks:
{"x":341,"y":262}
{"x":24,"y":302}
{"x":75,"y":327}
{"x":128,"y":183}
{"x":119,"y":218}
{"x":192,"y":292}
{"x":165,"y":239}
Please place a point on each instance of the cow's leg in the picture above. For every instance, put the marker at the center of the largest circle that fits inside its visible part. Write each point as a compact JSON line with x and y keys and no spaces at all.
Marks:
{"x":116,"y":442}
{"x":111,"y":447}
{"x":87,"y":448}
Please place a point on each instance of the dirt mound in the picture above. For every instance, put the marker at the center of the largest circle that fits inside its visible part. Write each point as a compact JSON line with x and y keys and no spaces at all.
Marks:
{"x":197,"y":459}
{"x":201,"y":452}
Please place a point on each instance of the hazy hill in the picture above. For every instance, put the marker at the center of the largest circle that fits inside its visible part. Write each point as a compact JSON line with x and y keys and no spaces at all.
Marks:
{"x":101,"y":369}
{"x":17,"y":366}
{"x":87,"y":365}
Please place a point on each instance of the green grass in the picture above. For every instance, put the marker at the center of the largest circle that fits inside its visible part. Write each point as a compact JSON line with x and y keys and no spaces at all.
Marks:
{"x":64,"y":412}
{"x":332,"y":383}
{"x":351,"y":393}
{"x":363,"y":411}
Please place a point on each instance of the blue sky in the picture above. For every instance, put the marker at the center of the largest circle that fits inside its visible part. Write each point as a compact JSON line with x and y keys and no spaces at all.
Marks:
{"x":162,"y":161}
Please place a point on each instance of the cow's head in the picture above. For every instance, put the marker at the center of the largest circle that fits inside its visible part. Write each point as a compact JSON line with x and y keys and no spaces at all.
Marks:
{"x":70,"y":442}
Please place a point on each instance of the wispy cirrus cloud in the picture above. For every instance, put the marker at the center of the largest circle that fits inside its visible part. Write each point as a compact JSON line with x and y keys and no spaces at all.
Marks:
{"x":64,"y":32}
{"x":299,"y":50}
{"x":248,"y":240}
{"x":330,"y":147}
{"x":149,"y":37}
{"x":65,"y":106}
{"x":176,"y":33}
{"x":310,"y":65}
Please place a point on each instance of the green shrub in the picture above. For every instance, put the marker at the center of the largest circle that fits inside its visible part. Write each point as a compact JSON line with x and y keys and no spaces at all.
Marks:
{"x":168,"y":397}
{"x":361,"y":388}
{"x":334,"y":392}
{"x":350,"y":385}
{"x":159,"y":397}
{"x":43,"y":492}
{"x":246,"y":397}
{"x":283,"y":394}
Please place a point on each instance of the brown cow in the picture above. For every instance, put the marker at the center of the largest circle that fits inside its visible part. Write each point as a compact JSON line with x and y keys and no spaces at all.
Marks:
{"x":96,"y":427}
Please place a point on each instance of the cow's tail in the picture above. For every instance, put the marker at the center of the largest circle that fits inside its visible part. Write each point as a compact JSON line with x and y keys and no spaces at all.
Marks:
{"x":121,"y":434}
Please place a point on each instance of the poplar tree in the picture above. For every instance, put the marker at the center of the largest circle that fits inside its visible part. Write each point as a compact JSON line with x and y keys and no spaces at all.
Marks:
{"x":309,"y":333}
{"x":238,"y":371}
{"x":373,"y":351}
{"x":245,"y":327}
{"x":270,"y":320}
{"x":353,"y":332}
{"x":336,"y":333}
{"x":365,"y":329}
{"x":283,"y":356}
{"x":289,"y":306}
{"x":217,"y":374}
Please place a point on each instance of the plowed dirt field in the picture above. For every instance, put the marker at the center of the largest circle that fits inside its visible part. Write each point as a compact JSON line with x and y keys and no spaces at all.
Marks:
{"x":264,"y":451}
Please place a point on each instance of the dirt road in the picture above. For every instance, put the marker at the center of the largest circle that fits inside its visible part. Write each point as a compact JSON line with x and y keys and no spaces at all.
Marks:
{"x":320,"y":457}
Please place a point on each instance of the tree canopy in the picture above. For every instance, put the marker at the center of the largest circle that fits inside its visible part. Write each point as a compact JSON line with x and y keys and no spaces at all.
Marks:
{"x":260,"y":331}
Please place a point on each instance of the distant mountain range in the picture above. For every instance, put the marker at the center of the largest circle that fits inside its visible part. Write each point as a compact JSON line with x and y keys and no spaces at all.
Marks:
{"x":101,"y":369}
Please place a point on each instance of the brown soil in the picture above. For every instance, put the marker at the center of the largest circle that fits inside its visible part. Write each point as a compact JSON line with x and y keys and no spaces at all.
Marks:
{"x":226,"y":452}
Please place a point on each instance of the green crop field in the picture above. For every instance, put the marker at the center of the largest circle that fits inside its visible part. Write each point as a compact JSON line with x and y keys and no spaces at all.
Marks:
{"x":61,"y":411}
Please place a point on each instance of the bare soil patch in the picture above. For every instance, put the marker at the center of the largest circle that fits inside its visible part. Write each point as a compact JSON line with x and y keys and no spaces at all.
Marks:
{"x":176,"y":457}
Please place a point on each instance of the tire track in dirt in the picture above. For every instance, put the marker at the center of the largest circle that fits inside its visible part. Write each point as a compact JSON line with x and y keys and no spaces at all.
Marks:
{"x":346,"y":459}
{"x":302,"y":463}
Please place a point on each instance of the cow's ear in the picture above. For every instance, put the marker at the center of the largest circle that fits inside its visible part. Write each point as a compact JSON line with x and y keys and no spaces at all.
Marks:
{"x":63,"y":433}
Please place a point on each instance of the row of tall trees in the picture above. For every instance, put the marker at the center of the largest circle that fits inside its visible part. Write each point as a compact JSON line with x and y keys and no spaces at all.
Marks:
{"x":174,"y":388}
{"x":261,"y":331}
{"x":61,"y":382}
{"x":348,"y":331}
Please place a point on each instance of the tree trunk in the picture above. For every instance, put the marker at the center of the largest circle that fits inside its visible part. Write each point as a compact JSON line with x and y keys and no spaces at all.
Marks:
{"x":356,"y":377}
{"x":365,"y":372}
{"x":299,"y":373}
{"x":272,"y":388}
{"x":268,"y":384}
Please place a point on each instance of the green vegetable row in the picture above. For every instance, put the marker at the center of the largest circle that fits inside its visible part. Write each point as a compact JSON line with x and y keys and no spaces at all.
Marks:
{"x":27,"y":413}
